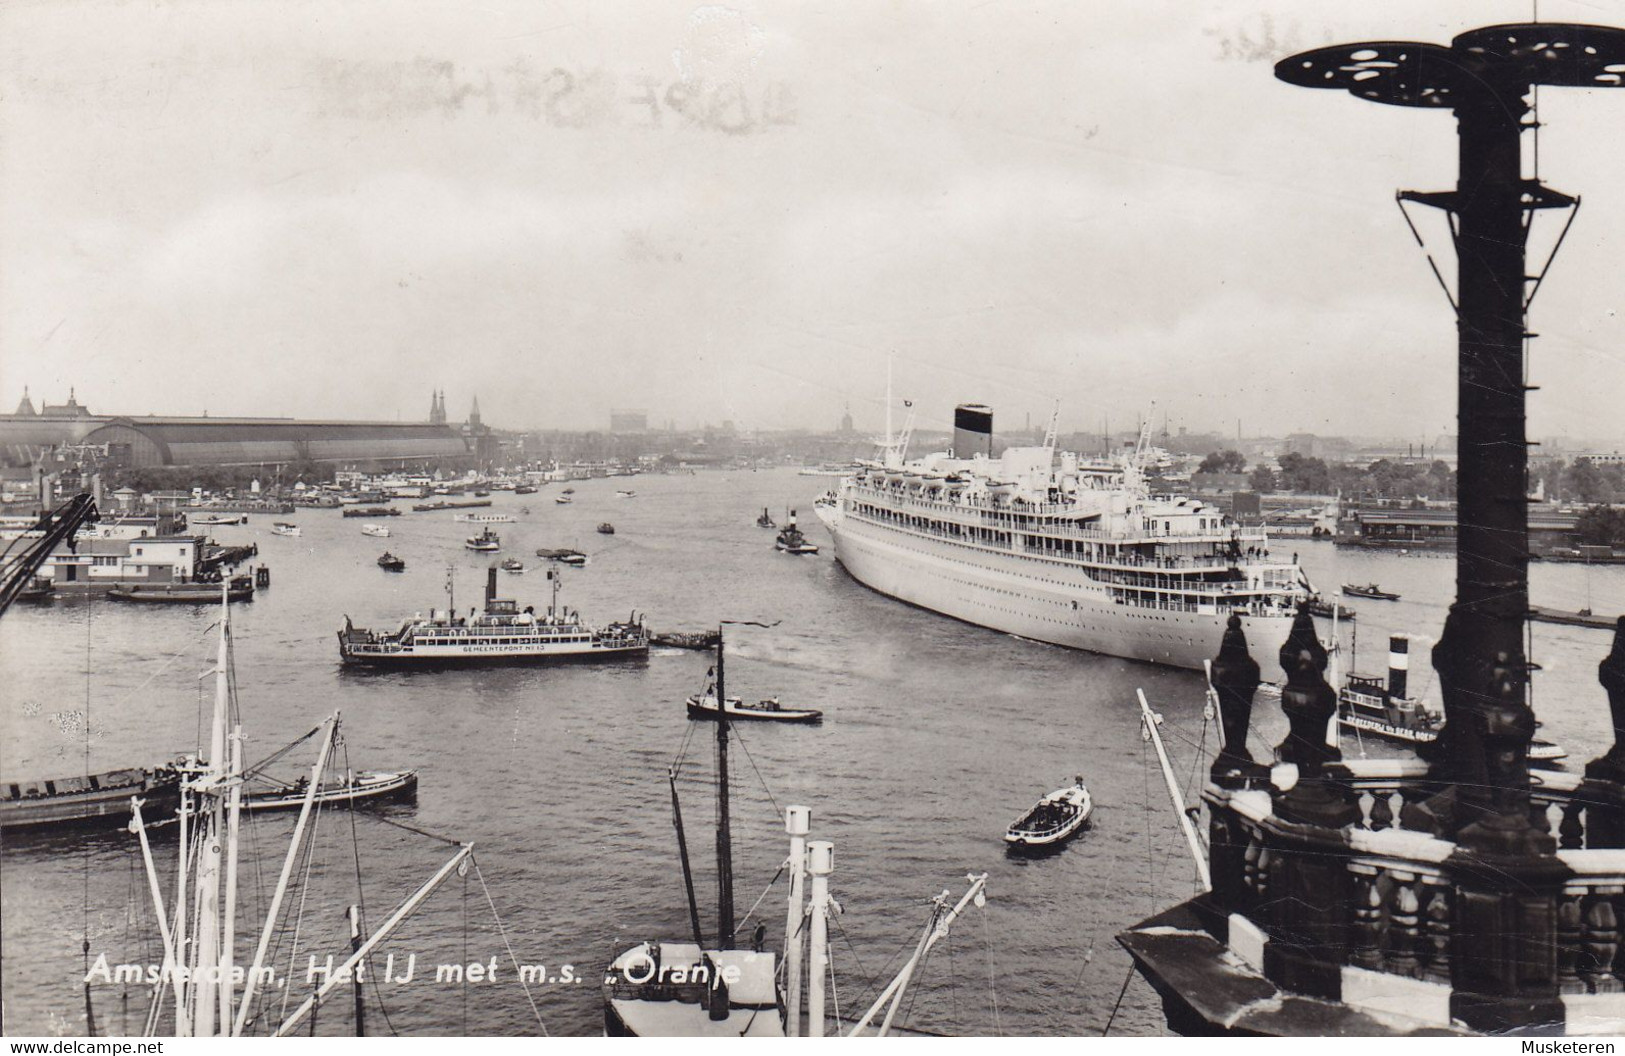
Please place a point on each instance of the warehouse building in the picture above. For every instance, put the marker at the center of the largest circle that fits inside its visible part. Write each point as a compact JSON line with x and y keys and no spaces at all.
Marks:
{"x":140,"y":443}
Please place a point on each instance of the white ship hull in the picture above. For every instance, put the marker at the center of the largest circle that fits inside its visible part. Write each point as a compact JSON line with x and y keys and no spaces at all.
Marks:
{"x":1038,"y":600}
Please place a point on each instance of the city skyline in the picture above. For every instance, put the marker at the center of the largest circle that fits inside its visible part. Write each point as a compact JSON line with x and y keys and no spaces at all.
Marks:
{"x":741,"y":214}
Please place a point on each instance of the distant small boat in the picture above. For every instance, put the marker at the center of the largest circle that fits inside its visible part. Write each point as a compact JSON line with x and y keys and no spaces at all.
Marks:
{"x":284,"y":528}
{"x":1053,"y":820}
{"x":482,"y":493}
{"x":513,"y":564}
{"x":765,"y":521}
{"x":487,"y":542}
{"x":390,"y":563}
{"x":563,"y":500}
{"x":769,"y":710}
{"x":687,"y":640}
{"x":366,"y":785}
{"x":606,"y":529}
{"x":620,"y":494}
{"x":525,"y":489}
{"x":569,"y":491}
{"x":1582,"y":618}
{"x":568,"y":557}
{"x":376,"y":530}
{"x":484,"y":518}
{"x":1329,"y":609}
{"x":1370,"y":590}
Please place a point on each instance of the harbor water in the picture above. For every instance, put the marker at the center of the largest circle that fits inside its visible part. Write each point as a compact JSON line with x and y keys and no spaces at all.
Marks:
{"x":936,"y":736}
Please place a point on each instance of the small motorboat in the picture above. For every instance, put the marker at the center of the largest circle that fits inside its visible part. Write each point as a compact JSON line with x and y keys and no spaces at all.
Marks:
{"x":525,"y":510}
{"x":376,"y":530}
{"x":284,"y":528}
{"x":765,"y":520}
{"x":482,"y":493}
{"x":606,"y":529}
{"x":487,"y":542}
{"x":525,"y":489}
{"x":1370,"y":590}
{"x":569,"y":491}
{"x":622,"y":494}
{"x":687,"y":639}
{"x":513,"y":564}
{"x":563,"y":500}
{"x":352,"y":788}
{"x":566,"y":556}
{"x":1053,"y":820}
{"x":768,"y":710}
{"x":390,"y":563}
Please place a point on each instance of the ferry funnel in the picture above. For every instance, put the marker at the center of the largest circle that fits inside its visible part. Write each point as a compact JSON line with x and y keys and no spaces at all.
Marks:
{"x":490,"y":585}
{"x":973,"y":430}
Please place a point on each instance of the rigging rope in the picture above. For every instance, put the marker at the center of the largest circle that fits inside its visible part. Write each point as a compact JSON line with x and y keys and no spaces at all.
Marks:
{"x":992,"y":981}
{"x":508,"y":946}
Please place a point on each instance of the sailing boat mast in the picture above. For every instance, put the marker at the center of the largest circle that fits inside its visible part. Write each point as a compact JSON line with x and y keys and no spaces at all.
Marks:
{"x":725,"y":865}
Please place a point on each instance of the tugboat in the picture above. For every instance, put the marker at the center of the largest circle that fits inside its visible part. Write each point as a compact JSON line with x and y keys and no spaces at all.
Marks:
{"x":513,"y":564}
{"x":1366,"y":704}
{"x":487,"y":542}
{"x":765,"y":520}
{"x":1053,"y":820}
{"x":390,"y":563}
{"x":1370,"y":590}
{"x":500,"y":634}
{"x":791,"y":541}
{"x":606,"y":529}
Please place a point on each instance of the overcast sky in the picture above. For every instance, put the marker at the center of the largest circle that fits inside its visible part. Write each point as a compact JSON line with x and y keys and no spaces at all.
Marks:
{"x":735,"y":212}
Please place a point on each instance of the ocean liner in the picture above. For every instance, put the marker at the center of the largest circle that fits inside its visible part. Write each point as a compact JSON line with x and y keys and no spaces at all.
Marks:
{"x":1047,"y":546}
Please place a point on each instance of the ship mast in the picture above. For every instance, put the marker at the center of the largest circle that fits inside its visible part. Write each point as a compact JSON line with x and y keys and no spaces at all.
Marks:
{"x":725,"y":865}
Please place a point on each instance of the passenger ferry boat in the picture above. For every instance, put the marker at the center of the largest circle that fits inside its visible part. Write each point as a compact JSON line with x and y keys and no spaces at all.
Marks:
{"x":487,"y":542}
{"x":1044,"y":545}
{"x":500,"y":634}
{"x":484,"y":518}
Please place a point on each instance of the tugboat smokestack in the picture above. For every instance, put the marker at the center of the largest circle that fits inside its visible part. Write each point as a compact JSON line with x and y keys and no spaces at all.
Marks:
{"x":1399,"y":665}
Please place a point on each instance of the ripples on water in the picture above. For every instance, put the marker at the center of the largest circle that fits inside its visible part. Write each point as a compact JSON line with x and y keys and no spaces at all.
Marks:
{"x":936,"y":735}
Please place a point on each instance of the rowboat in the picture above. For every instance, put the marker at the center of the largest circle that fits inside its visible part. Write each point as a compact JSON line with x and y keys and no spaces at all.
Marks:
{"x":769,"y":710}
{"x":1053,"y":820}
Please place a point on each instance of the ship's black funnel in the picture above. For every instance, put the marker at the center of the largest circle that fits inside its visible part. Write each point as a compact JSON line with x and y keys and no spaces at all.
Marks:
{"x":973,"y":430}
{"x":490,"y":585}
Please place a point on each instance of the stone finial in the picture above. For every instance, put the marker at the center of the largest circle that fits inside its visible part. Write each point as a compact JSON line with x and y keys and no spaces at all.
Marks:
{"x":1235,"y":682}
{"x":1610,"y":766}
{"x":1310,"y":703}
